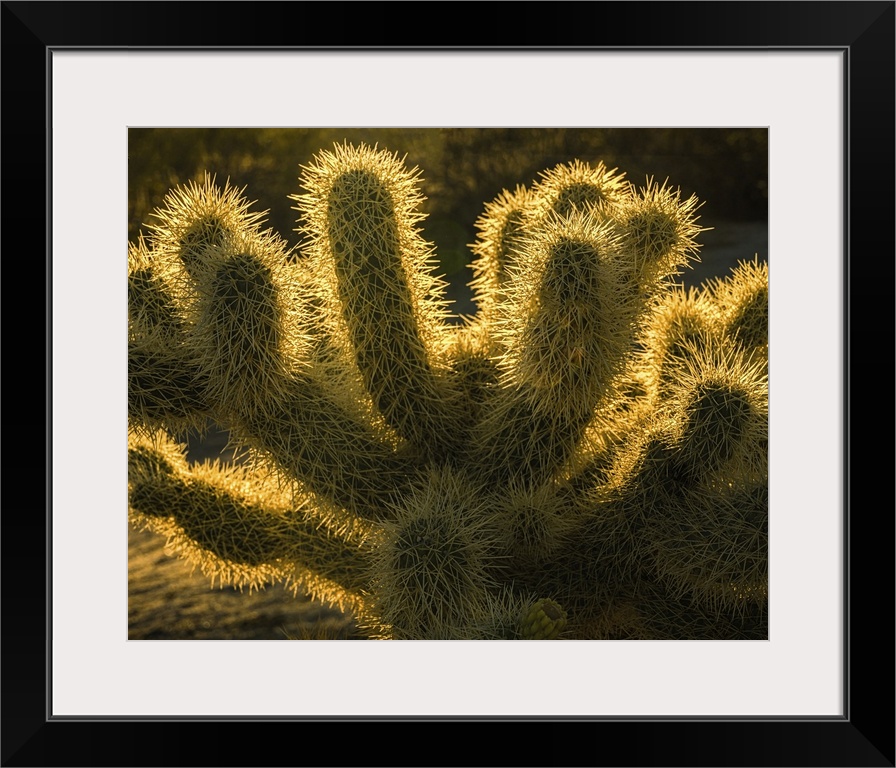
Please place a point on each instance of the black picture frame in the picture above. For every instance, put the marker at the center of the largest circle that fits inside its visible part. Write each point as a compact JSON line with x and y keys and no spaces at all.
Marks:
{"x":864,"y":31}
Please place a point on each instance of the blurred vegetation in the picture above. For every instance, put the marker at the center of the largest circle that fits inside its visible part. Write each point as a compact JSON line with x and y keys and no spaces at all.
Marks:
{"x":463,"y":168}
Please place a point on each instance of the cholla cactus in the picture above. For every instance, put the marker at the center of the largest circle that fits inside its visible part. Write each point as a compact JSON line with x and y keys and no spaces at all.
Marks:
{"x":585,"y":458}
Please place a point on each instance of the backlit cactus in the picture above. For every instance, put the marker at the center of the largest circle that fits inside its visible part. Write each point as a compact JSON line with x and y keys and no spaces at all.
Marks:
{"x":585,"y":458}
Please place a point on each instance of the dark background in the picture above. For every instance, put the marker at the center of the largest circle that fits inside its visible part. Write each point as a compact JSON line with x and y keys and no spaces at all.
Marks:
{"x":463,"y":168}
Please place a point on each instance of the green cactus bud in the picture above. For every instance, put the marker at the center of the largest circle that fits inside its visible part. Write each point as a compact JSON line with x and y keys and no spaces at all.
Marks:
{"x":543,"y":621}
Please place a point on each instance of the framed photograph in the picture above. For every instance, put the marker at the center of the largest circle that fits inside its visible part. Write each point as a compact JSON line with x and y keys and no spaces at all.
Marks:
{"x":773,"y":126}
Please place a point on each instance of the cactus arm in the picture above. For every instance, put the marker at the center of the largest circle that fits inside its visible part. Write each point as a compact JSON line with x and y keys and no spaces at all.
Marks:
{"x":719,"y":405}
{"x":246,"y":335}
{"x":712,"y":544}
{"x":743,"y":300}
{"x":682,"y":487}
{"x":165,"y":391}
{"x":474,"y":380}
{"x":360,"y":211}
{"x":309,"y":436}
{"x":432,"y":570}
{"x":500,"y":227}
{"x":256,"y":356}
{"x":565,"y":326}
{"x":258,"y":362}
{"x":216,"y":517}
{"x":165,"y":384}
{"x":658,"y":231}
{"x":681,"y":319}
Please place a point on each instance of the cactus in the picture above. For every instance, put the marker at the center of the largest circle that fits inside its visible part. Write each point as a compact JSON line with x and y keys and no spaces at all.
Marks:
{"x":584,"y":458}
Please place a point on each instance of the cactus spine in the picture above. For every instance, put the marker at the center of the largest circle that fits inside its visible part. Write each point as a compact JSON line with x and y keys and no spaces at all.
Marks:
{"x":586,"y":458}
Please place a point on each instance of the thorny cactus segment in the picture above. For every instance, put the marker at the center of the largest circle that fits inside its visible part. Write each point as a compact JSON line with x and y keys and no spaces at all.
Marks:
{"x":501,"y":230}
{"x":719,"y":549}
{"x":242,"y":329}
{"x":566,"y":325}
{"x":723,"y":397}
{"x":586,"y":458}
{"x":535,"y":522}
{"x":238,"y":530}
{"x":567,"y":319}
{"x":384,"y":300}
{"x":658,"y":229}
{"x":197,"y":216}
{"x":436,"y":565}
{"x":578,"y":187}
{"x":743,"y":300}
{"x":682,"y":320}
{"x":153,"y":315}
{"x":312,"y":439}
{"x":166,"y":386}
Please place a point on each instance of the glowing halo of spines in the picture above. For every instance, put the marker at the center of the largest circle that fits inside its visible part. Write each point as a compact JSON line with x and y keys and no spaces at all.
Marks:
{"x":658,"y":230}
{"x":585,"y":458}
{"x":386,"y":304}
